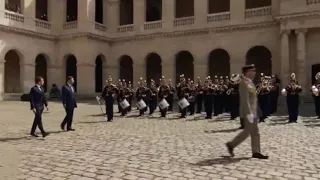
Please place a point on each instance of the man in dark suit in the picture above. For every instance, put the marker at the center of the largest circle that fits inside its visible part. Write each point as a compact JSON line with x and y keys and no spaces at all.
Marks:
{"x":69,"y":103}
{"x":37,"y":103}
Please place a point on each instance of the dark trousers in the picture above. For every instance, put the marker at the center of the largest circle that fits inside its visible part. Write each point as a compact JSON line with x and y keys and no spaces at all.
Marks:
{"x":152,"y":106}
{"x":163,"y":112}
{"x":274,"y":102}
{"x":216,"y":105}
{"x":119,"y":107}
{"x":293,"y":107}
{"x":242,"y":122}
{"x":199,"y":101}
{"x":317,"y":105}
{"x":183,"y":112}
{"x":263,"y":101}
{"x":130,"y":102}
{"x":170,"y":102}
{"x":37,"y":121}
{"x":234,"y":106}
{"x":208,"y":106}
{"x":109,"y":105}
{"x":191,"y":107}
{"x":69,"y":117}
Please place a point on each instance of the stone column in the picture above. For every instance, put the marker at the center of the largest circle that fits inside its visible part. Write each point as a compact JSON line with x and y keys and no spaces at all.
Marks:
{"x":57,"y":19}
{"x":86,"y":14}
{"x":301,"y":57}
{"x":29,"y":11}
{"x":284,"y":61}
{"x":237,"y":11}
{"x":27,"y":76}
{"x":1,"y":79}
{"x":168,"y":70}
{"x":112,"y":13}
{"x":139,"y":10}
{"x":138,"y":71}
{"x":168,"y":14}
{"x":85,"y":78}
{"x":201,"y":12}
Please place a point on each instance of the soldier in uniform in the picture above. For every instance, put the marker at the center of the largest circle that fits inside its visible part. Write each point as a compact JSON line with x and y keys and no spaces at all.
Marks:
{"x":164,"y":93}
{"x":118,"y":95}
{"x":152,"y":94}
{"x":199,"y":98}
{"x":263,"y":91}
{"x":183,"y":92}
{"x":108,"y":94}
{"x":315,"y":93}
{"x":121,"y":97}
{"x":192,"y":97}
{"x":171,"y":95}
{"x":216,"y":96}
{"x":131,"y":90}
{"x":292,"y":91}
{"x":274,"y":95}
{"x":233,"y":93}
{"x":141,"y":94}
{"x":248,"y":111}
{"x":208,"y":97}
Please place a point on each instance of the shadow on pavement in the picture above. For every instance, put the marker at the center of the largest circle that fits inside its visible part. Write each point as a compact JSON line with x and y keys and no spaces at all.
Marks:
{"x":221,"y":160}
{"x":15,"y":139}
{"x":223,"y":131}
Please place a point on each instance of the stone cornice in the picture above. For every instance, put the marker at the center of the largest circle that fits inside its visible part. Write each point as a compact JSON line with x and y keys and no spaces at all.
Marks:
{"x":298,"y":15}
{"x":111,"y":40}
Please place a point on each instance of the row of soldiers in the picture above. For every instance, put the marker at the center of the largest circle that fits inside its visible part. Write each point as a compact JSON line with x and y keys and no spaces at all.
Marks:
{"x":217,"y":96}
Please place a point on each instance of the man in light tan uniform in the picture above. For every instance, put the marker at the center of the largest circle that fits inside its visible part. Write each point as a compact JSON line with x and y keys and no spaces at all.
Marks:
{"x":248,"y":111}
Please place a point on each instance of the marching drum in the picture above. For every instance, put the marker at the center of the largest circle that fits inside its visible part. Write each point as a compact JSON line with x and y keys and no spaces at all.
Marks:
{"x":163,"y":104}
{"x":124,"y":104}
{"x":183,"y":103}
{"x":141,"y":104}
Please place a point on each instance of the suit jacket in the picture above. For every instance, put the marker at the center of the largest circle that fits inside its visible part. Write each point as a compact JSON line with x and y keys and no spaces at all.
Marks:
{"x":248,"y":98}
{"x":37,"y":98}
{"x":68,"y":97}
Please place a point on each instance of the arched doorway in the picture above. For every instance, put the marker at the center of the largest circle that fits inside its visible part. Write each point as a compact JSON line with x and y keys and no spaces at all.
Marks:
{"x":315,"y":68}
{"x":261,"y":57}
{"x":184,"y":65}
{"x":219,"y":63}
{"x":12,"y":72}
{"x":154,"y":67}
{"x":126,"y":68}
{"x":71,"y":69}
{"x":41,"y":69}
{"x":99,"y":74}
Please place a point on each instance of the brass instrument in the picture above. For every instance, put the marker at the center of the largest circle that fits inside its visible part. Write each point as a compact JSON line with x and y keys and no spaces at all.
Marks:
{"x":315,"y":90}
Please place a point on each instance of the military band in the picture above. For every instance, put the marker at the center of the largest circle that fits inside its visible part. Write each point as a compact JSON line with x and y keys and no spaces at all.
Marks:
{"x":218,"y":96}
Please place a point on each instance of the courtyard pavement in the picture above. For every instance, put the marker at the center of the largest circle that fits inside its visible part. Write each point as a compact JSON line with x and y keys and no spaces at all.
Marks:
{"x":151,"y":148}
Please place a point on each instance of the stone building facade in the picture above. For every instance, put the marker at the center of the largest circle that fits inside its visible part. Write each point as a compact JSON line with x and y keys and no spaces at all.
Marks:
{"x":129,"y":39}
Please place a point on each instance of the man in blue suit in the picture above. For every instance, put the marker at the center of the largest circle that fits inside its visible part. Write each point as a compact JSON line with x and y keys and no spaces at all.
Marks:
{"x":37,"y":103}
{"x":69,"y":103}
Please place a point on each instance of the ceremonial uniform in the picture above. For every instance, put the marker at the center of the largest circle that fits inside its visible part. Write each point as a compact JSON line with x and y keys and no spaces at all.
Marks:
{"x":152,"y":94}
{"x":274,"y":95}
{"x":164,"y":92}
{"x":141,"y":94}
{"x":170,"y":96}
{"x":208,"y":101}
{"x":315,"y":93}
{"x":108,"y":94}
{"x":199,"y":97}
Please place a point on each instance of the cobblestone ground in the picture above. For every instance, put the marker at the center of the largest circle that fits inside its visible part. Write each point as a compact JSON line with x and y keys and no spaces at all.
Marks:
{"x":151,"y":148}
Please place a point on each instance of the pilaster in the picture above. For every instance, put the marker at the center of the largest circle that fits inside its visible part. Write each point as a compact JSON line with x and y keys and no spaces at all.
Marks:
{"x":139,"y":10}
{"x":138,"y":71}
{"x":112,"y":13}
{"x":27,"y":75}
{"x":2,"y":5}
{"x":85,"y":78}
{"x":237,"y":11}
{"x":29,"y":11}
{"x":200,"y":70}
{"x":285,"y":61}
{"x":56,"y":75}
{"x":113,"y":71}
{"x":86,"y":14}
{"x":57,"y":19}
{"x":168,"y":13}
{"x":168,"y":70}
{"x":1,"y":79}
{"x":201,"y":11}
{"x":275,"y":7}
{"x":301,"y":57}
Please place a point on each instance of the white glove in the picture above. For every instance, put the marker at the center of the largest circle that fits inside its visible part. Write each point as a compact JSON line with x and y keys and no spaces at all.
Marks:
{"x":250,"y":118}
